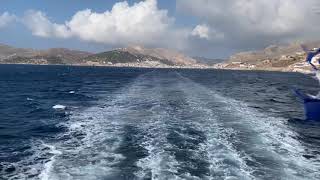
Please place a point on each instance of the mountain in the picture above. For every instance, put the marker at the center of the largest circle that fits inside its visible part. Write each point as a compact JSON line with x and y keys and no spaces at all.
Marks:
{"x":68,"y":56}
{"x":208,"y":61}
{"x":142,"y":57}
{"x":9,"y":54}
{"x":134,"y":56}
{"x":8,"y":51}
{"x":160,"y":53}
{"x":124,"y":57}
{"x":290,"y":57}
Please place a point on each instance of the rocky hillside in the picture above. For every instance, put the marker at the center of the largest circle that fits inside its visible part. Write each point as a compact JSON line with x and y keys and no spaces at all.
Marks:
{"x":8,"y":51}
{"x":279,"y":58}
{"x":66,"y":55}
{"x":135,"y":56}
{"x":208,"y":61}
{"x":12,"y":55}
{"x":141,"y":57}
{"x":123,"y":57}
{"x":174,"y":57}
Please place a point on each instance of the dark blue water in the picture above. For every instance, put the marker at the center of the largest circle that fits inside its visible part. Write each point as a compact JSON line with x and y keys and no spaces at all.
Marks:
{"x":122,"y":123}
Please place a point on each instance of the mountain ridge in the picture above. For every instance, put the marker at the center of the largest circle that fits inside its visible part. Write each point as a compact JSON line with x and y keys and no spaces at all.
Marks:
{"x":132,"y":56}
{"x":285,"y":57}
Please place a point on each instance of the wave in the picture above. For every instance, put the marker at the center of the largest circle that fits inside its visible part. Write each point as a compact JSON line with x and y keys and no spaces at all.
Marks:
{"x":45,"y":173}
{"x":271,"y":141}
{"x":59,"y":107}
{"x":166,"y":126}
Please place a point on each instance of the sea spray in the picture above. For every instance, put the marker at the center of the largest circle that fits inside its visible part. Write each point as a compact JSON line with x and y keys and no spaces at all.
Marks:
{"x":211,"y":125}
{"x":45,"y":174}
{"x":317,"y":76}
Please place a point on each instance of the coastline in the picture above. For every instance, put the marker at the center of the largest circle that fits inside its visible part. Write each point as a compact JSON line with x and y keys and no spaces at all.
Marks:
{"x":115,"y":66}
{"x":306,"y":72}
{"x":302,"y":71}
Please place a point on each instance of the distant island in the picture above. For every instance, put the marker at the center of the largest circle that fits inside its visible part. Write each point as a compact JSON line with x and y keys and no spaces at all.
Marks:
{"x":286,"y":58}
{"x":134,"y":56}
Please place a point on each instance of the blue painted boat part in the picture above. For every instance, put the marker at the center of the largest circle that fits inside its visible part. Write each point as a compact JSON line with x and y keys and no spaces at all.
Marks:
{"x":311,"y":106}
{"x":311,"y":55}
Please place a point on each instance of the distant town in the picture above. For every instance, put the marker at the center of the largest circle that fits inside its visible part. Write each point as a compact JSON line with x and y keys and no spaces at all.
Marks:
{"x":287,"y":58}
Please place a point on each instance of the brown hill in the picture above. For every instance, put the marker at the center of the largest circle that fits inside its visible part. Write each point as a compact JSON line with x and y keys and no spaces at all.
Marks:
{"x":272,"y":52}
{"x":139,"y":56}
{"x":9,"y":54}
{"x":289,"y":57}
{"x":67,"y":55}
{"x":9,"y":51}
{"x":161,"y":53}
{"x":135,"y":56}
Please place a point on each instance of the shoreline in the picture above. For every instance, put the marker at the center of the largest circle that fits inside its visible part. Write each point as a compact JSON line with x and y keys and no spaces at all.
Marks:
{"x":306,"y":72}
{"x":301,"y":71}
{"x":115,"y":66}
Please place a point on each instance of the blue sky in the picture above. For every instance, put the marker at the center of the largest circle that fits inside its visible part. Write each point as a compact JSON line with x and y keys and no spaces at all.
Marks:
{"x":60,"y":11}
{"x":211,"y":28}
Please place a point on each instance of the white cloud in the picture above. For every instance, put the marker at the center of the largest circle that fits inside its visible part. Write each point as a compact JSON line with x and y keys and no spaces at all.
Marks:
{"x":202,"y":31}
{"x":41,"y":26}
{"x":141,"y":23}
{"x":271,"y":17}
{"x":5,"y":19}
{"x":226,"y":26}
{"x":267,"y":16}
{"x":252,"y":23}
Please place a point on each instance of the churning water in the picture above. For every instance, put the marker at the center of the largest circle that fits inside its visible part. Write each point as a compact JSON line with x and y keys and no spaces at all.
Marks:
{"x":60,"y":122}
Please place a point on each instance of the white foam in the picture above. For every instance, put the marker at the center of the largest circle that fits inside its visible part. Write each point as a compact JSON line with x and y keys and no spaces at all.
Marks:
{"x":272,"y":135}
{"x":101,"y":137}
{"x":96,"y":133}
{"x":39,"y":164}
{"x":217,"y":146}
{"x":94,"y":136}
{"x":59,"y":107}
{"x":45,"y":173}
{"x":159,"y":163}
{"x":88,"y":147}
{"x":72,"y":92}
{"x":317,"y":77}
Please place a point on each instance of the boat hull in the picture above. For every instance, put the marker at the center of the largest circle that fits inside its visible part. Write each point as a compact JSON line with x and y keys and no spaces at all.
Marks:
{"x":311,"y":106}
{"x":312,"y":110}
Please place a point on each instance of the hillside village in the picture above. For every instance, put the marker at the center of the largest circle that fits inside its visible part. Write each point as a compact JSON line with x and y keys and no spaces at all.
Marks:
{"x":287,"y":58}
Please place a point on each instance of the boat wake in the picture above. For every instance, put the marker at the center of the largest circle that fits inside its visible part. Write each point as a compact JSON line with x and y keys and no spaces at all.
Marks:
{"x":166,"y":126}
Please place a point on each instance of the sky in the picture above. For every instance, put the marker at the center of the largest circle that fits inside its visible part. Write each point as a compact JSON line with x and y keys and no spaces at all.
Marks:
{"x":207,"y":28}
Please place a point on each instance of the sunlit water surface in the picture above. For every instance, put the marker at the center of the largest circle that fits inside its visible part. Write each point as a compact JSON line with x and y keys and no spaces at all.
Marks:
{"x":122,"y":123}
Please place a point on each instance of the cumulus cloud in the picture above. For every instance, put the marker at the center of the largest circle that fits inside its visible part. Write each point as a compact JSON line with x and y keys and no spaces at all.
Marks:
{"x":226,"y":26}
{"x":141,"y":23}
{"x":202,"y":31}
{"x":267,"y":16}
{"x":41,"y":26}
{"x":251,"y":23}
{"x":5,"y":19}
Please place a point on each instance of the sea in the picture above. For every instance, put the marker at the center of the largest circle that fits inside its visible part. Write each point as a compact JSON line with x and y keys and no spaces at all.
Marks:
{"x":92,"y":123}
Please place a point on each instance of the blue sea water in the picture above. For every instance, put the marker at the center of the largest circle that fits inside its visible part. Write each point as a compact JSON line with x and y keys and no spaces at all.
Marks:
{"x":126,"y":123}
